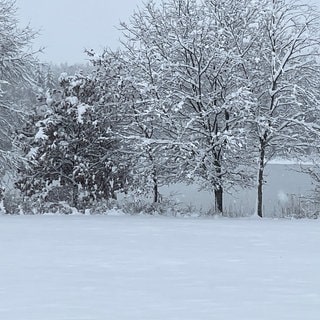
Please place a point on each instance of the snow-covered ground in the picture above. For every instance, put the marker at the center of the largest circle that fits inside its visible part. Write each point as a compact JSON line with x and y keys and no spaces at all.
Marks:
{"x":136,"y":268}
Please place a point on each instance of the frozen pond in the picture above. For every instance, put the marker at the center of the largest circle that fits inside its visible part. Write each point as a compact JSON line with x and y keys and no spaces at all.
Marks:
{"x":284,"y":182}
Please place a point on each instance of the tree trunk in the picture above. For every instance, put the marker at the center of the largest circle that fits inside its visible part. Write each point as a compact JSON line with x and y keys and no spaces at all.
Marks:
{"x":154,"y":176}
{"x":218,"y":189}
{"x":218,"y":196}
{"x":156,"y":198}
{"x":260,"y":179}
{"x":75,"y":195}
{"x":155,"y":194}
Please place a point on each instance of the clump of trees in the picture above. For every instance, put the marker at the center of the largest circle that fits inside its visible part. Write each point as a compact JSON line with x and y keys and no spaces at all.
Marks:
{"x":200,"y":92}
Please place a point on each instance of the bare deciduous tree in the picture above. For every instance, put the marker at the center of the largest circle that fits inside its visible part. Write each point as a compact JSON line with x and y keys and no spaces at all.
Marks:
{"x":17,"y":65}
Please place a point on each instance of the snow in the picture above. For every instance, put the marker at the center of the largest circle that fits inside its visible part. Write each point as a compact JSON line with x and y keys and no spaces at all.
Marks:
{"x":120,"y":268}
{"x":72,"y":100}
{"x":63,"y":77}
{"x":283,"y":197}
{"x":82,"y":109}
{"x":33,"y":152}
{"x":40,"y":135}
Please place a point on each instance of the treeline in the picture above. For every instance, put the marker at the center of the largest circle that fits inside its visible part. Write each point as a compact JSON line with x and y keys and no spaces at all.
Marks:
{"x":202,"y":93}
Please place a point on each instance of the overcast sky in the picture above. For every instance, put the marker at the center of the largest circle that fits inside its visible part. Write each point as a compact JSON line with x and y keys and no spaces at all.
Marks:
{"x":67,"y":27}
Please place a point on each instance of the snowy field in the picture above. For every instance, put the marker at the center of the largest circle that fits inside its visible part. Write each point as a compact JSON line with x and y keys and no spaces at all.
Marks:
{"x":156,"y":268}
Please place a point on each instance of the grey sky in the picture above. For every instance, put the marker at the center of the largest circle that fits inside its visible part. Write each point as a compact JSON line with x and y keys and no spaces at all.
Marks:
{"x":70,"y":26}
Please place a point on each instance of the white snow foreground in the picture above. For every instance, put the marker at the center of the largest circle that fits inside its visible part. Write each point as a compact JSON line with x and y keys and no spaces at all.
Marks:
{"x":106,"y":267}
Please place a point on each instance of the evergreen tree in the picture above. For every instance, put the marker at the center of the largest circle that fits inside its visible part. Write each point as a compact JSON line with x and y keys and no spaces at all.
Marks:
{"x":74,"y":149}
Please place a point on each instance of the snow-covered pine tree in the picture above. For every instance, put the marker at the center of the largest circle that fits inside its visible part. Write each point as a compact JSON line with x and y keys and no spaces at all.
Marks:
{"x":74,"y":149}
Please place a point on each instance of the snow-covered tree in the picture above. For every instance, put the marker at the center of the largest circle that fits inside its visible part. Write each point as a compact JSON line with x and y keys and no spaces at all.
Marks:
{"x":187,"y":68}
{"x":73,"y":149}
{"x":198,"y":92}
{"x":284,"y":71}
{"x":132,"y":118}
{"x":17,"y":64}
